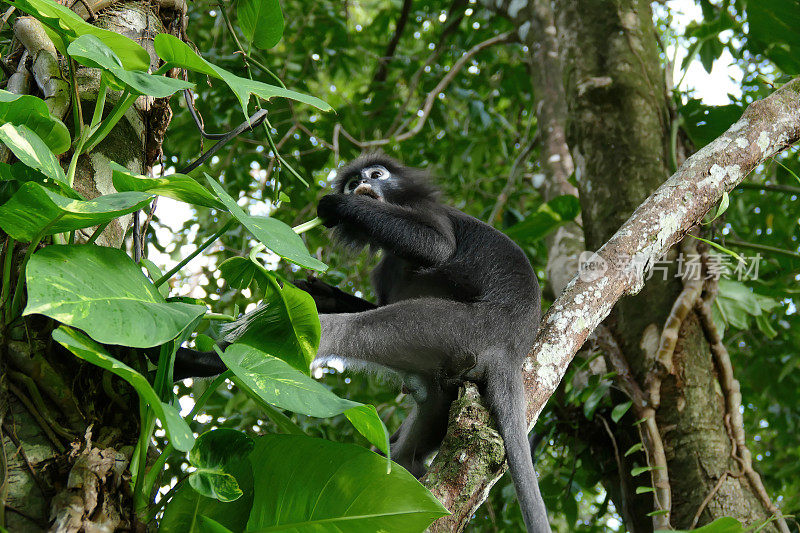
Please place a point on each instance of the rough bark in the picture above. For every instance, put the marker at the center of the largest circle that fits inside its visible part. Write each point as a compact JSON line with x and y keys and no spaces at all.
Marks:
{"x":67,"y":429}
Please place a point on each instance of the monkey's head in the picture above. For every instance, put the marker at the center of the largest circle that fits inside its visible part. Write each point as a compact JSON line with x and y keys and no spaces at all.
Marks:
{"x":378,"y":176}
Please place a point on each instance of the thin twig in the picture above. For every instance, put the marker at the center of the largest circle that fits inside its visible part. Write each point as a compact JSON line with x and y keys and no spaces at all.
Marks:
{"x":429,"y":100}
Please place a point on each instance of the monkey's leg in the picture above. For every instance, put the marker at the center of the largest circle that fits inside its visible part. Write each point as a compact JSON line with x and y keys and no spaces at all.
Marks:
{"x":426,"y":336}
{"x":422,"y":431}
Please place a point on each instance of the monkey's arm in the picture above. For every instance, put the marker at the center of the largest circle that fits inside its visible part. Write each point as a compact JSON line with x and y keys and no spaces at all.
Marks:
{"x":330,"y":299}
{"x":417,"y":235}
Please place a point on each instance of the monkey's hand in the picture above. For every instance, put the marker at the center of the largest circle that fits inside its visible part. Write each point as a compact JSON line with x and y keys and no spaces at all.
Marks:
{"x":329,"y":209}
{"x":330,"y":299}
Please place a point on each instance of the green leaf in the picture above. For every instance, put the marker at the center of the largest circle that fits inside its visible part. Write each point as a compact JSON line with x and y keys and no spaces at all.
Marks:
{"x":278,"y":384}
{"x":271,"y":232}
{"x":209,"y":525}
{"x":213,"y":453}
{"x":32,"y":150}
{"x":635,"y":448}
{"x":261,"y":22}
{"x":306,"y":484}
{"x":188,"y":509}
{"x":33,"y":208}
{"x":176,"y":186}
{"x":644,"y":490}
{"x":640,"y":470}
{"x":705,"y":123}
{"x":177,"y":53}
{"x":720,"y":525}
{"x":178,"y":430}
{"x":286,"y":326}
{"x":23,"y":173}
{"x":90,"y":51}
{"x":101,"y":291}
{"x":547,"y":218}
{"x":723,"y":206}
{"x":31,"y":112}
{"x":238,"y":272}
{"x":67,"y":25}
{"x":619,"y":411}
{"x":155,"y":273}
{"x":594,"y":399}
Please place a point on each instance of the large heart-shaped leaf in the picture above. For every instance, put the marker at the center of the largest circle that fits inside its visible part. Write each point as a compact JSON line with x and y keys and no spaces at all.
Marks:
{"x":29,"y":111}
{"x":277,"y":383}
{"x":286,"y":325}
{"x":180,"y":435}
{"x":212,"y":455}
{"x":34,"y":208}
{"x":261,"y":22}
{"x":176,"y":186}
{"x":91,"y":51}
{"x":67,"y":25}
{"x":101,"y":291}
{"x":271,"y":232}
{"x":307,"y":484}
{"x":186,"y":510}
{"x":32,"y":150}
{"x":179,"y":54}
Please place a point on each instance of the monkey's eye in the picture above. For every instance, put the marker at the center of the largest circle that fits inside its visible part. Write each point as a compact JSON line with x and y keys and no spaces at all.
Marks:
{"x":351,"y":185}
{"x":377,"y":172}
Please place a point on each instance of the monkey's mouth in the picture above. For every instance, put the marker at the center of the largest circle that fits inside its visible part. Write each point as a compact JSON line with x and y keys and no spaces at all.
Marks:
{"x":366,"y":190}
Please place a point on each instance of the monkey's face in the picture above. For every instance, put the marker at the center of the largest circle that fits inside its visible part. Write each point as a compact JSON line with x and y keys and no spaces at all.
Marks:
{"x":375,"y":181}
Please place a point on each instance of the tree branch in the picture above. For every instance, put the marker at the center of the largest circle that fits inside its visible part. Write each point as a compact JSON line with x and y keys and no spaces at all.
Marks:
{"x":429,"y":100}
{"x":383,"y":62}
{"x":766,"y":128}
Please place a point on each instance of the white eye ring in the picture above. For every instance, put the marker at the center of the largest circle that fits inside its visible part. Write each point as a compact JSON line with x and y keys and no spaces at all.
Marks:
{"x":351,"y":185}
{"x":376,"y":172}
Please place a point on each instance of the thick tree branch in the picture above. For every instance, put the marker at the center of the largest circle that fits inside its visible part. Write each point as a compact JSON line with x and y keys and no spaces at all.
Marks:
{"x":766,"y":128}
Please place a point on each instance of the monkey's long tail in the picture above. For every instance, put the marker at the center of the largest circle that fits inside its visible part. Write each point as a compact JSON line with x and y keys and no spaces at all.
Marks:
{"x":507,"y":400}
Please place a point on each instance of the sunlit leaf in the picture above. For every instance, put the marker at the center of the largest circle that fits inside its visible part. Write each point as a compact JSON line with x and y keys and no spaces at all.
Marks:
{"x":177,"y":53}
{"x":34,"y":208}
{"x":176,"y":186}
{"x":261,"y":22}
{"x":32,"y":151}
{"x":101,"y":291}
{"x":32,"y":112}
{"x":271,"y":232}
{"x":278,"y":384}
{"x":212,"y":455}
{"x":91,"y":51}
{"x":68,"y":25}
{"x":307,"y":484}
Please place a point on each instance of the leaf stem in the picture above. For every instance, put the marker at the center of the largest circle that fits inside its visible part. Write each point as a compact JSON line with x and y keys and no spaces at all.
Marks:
{"x":194,"y":254}
{"x":97,"y":232}
{"x":126,"y":101}
{"x":7,"y":260}
{"x":763,"y":248}
{"x":99,"y":104}
{"x":201,"y":401}
{"x":77,"y":112}
{"x":15,"y":302}
{"x":155,"y":470}
{"x":305,"y":226}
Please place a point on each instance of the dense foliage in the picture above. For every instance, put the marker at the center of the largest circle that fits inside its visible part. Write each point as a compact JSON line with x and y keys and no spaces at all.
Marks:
{"x":332,"y":88}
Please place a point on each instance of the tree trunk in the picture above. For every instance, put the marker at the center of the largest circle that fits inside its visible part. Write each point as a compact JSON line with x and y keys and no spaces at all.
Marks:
{"x":618,"y":131}
{"x":68,"y":428}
